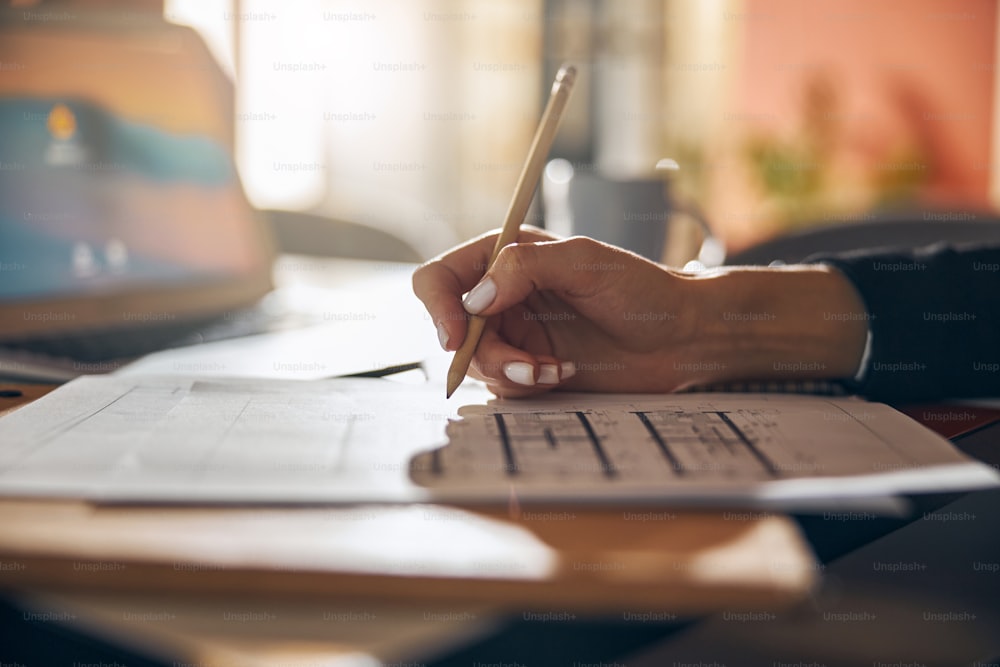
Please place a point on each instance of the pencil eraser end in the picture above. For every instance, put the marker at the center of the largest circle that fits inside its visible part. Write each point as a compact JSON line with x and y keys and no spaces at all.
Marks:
{"x":565,"y":76}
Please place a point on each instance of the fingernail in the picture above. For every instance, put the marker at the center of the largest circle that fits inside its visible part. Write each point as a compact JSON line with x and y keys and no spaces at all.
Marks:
{"x":442,"y":336}
{"x":568,"y":369}
{"x":520,"y":372}
{"x":481,"y":296}
{"x":548,"y":374}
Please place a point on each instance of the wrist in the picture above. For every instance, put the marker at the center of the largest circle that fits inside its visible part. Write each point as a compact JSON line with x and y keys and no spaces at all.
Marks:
{"x":796,"y":322}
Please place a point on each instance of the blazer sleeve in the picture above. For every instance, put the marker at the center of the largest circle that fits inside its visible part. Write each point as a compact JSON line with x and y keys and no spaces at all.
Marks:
{"x":934,"y":320}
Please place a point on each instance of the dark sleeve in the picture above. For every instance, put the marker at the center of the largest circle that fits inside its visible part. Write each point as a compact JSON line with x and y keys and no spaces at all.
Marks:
{"x":934,"y":317}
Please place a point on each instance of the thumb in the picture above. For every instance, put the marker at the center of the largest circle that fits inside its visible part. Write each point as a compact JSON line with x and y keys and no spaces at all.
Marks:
{"x":575,"y":267}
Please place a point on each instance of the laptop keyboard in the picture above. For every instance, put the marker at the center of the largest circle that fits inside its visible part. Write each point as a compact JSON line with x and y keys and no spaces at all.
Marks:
{"x":107,"y":346}
{"x":104,"y":346}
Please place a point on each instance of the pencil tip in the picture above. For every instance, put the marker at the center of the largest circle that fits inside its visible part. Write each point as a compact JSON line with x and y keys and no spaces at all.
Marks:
{"x":566,"y":74}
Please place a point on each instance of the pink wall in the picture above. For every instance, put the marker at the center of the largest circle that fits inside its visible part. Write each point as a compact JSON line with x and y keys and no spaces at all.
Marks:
{"x":916,"y":72}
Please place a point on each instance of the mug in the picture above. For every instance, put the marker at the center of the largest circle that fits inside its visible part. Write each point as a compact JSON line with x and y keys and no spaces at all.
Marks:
{"x":631,"y":213}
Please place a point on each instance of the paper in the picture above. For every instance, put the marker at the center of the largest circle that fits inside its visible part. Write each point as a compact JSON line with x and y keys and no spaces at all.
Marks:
{"x":350,"y":441}
{"x":177,"y":439}
{"x":763,"y":448}
{"x":352,"y":330}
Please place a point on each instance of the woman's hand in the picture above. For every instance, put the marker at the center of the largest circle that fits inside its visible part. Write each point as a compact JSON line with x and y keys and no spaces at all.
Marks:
{"x":572,"y":312}
{"x":579,"y":314}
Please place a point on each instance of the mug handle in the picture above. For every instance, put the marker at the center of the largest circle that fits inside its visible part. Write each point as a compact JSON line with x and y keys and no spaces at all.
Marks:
{"x":713,"y":251}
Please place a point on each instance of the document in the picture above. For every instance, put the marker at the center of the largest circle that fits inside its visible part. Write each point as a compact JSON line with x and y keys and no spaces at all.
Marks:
{"x":781,"y":449}
{"x":193,"y":440}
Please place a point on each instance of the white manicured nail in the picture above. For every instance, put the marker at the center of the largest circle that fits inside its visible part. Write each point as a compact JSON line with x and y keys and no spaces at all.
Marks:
{"x":520,"y":372}
{"x":548,"y":374}
{"x":442,"y":336}
{"x":481,"y":296}
{"x":568,"y":369}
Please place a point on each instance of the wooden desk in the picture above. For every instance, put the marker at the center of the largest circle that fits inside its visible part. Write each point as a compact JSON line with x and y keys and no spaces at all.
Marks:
{"x":249,"y":585}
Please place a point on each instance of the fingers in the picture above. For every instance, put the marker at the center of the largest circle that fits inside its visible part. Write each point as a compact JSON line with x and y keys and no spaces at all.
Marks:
{"x":575,"y":268}
{"x":440,"y":289}
{"x":440,"y":283}
{"x":502,"y":365}
{"x":536,"y":262}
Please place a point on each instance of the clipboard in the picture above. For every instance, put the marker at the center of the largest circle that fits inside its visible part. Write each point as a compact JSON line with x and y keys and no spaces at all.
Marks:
{"x":593,"y":561}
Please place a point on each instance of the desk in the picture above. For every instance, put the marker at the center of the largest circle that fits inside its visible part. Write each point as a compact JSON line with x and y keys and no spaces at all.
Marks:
{"x":212,"y":629}
{"x":859,"y":612}
{"x":93,"y":567}
{"x":192,"y":609}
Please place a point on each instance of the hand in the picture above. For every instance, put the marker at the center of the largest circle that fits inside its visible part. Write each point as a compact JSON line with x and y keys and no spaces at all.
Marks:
{"x":583,"y":315}
{"x":575,"y":312}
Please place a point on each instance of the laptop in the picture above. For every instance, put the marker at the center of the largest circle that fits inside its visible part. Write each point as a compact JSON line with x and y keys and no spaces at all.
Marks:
{"x":123,"y":224}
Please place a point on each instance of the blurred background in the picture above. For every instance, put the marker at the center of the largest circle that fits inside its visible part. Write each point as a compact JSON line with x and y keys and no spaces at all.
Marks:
{"x":414,"y":117}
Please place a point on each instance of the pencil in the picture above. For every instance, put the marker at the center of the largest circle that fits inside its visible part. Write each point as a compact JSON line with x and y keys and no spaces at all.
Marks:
{"x":541,"y":144}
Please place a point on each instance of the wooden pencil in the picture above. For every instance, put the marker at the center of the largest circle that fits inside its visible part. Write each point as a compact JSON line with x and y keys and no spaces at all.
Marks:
{"x":541,"y":144}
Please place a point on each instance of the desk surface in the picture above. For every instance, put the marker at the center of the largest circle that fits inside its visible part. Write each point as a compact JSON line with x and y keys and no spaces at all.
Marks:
{"x":104,"y":569}
{"x":179,"y":569}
